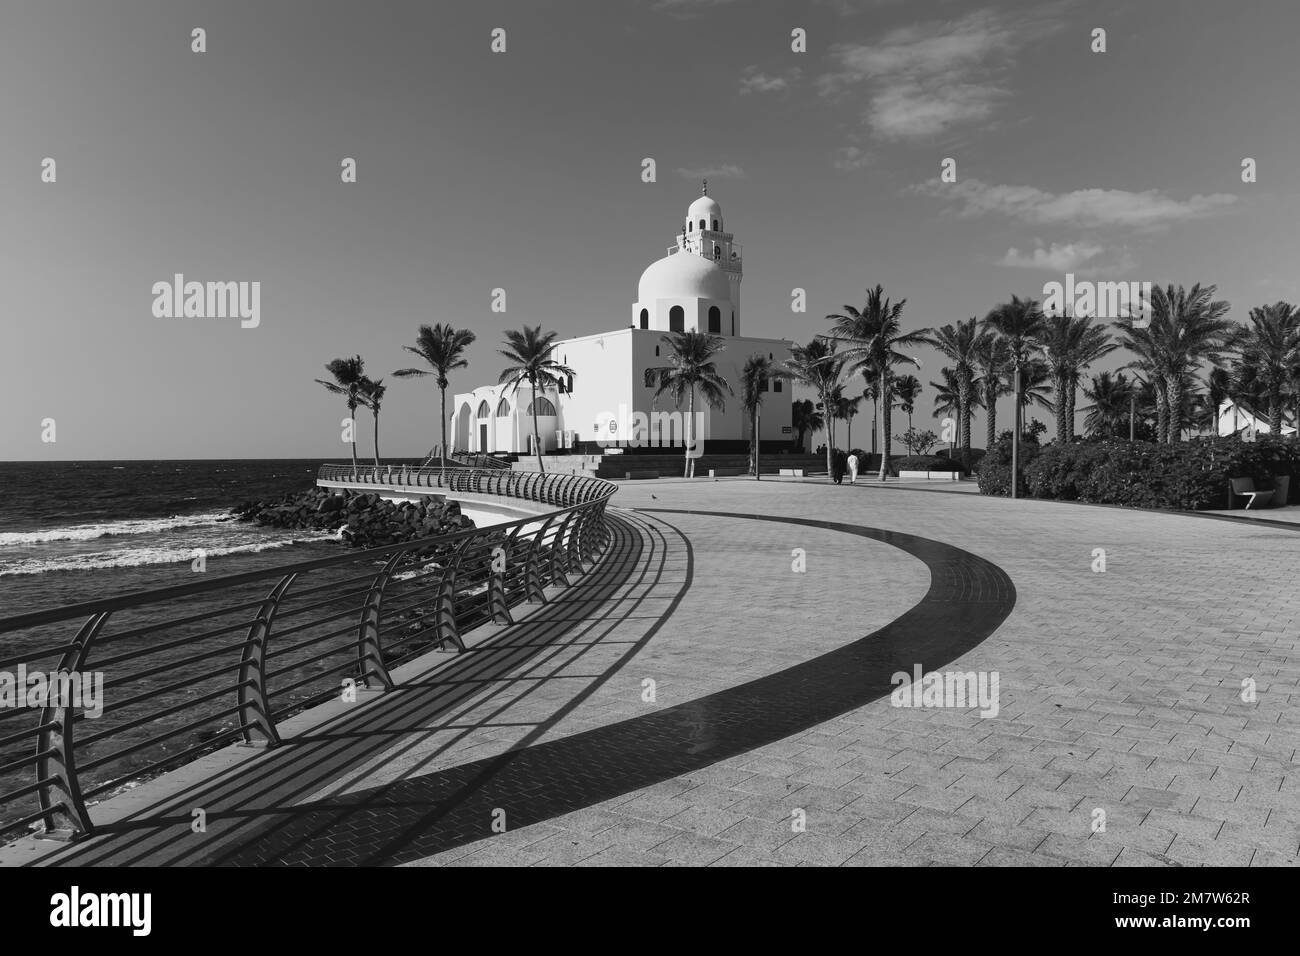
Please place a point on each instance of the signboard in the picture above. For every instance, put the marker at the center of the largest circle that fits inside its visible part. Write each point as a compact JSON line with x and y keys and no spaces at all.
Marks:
{"x":787,"y":429}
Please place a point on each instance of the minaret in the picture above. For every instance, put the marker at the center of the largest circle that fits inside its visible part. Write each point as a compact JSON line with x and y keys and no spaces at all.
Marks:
{"x":704,"y":234}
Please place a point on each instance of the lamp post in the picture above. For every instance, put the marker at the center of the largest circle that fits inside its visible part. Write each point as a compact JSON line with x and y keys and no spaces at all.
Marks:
{"x":1015,"y":429}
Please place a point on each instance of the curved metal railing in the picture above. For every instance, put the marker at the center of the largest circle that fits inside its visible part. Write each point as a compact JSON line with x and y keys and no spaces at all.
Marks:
{"x":190,"y":668}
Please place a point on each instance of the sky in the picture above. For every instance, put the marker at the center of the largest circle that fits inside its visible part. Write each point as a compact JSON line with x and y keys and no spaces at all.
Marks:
{"x":522,"y":170}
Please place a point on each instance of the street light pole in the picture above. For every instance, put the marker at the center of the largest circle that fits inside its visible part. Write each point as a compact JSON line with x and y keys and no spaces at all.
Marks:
{"x":1015,"y":431}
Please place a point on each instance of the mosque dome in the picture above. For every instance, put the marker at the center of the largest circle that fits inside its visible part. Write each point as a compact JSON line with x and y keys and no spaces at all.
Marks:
{"x":705,"y":208}
{"x":683,"y":276}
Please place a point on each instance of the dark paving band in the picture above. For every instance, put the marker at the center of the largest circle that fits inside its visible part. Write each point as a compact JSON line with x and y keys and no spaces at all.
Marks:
{"x":407,"y":820}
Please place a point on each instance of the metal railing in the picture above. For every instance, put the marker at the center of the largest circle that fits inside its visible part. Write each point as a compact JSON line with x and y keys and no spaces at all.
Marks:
{"x":190,"y":668}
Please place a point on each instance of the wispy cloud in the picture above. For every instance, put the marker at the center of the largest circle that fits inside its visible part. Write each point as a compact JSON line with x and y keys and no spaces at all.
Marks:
{"x":1149,"y":210}
{"x":850,"y":158}
{"x":928,"y":78}
{"x":1058,"y":257}
{"x":722,"y":171}
{"x":687,"y":7}
{"x":754,"y":80}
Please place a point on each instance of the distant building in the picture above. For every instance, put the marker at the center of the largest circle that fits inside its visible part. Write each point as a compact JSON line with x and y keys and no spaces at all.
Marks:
{"x":695,"y":287}
{"x":1236,"y":418}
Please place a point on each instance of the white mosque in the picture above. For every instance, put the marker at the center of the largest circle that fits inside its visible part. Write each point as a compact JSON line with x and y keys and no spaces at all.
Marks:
{"x":695,"y":287}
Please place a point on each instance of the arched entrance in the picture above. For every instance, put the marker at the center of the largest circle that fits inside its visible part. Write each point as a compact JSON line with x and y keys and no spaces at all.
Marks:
{"x":460,"y":429}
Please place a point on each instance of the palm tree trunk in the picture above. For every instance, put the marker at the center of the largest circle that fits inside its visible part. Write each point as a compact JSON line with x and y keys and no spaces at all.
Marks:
{"x":537,"y":438}
{"x":689,"y":470}
{"x":886,"y":400}
{"x":875,"y":413}
{"x":1059,"y":384}
{"x":376,"y":439}
{"x":1174,"y":400}
{"x":1073,"y":390}
{"x":758,"y":474}
{"x":442,"y":452}
{"x":352,"y":417}
{"x":991,"y":401}
{"x":1162,"y":409}
{"x":1275,"y":412}
{"x":830,"y":436}
{"x":963,"y":417}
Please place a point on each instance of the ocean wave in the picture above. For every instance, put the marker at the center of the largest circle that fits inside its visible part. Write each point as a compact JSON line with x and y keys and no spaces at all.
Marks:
{"x":138,"y":557}
{"x":111,"y":529}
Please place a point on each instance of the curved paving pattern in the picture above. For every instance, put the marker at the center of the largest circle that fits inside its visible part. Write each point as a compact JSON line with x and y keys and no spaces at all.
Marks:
{"x":968,"y":598}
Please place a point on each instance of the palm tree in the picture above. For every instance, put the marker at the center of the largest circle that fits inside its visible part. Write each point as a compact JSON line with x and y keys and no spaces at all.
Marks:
{"x":947,"y":403}
{"x":1188,"y":327}
{"x":805,"y":418}
{"x":1035,"y":387}
{"x":1271,"y":346}
{"x":753,"y":383}
{"x":349,"y":376}
{"x":372,"y":396}
{"x":1142,"y":343}
{"x":1070,"y":344}
{"x":908,"y":389}
{"x":961,"y":343}
{"x":993,"y":360}
{"x":1018,"y":323}
{"x":818,"y":366}
{"x":875,"y":339}
{"x":1110,"y":395}
{"x":846,"y":409}
{"x":530,"y":354}
{"x":443,"y":348}
{"x":872,"y":394}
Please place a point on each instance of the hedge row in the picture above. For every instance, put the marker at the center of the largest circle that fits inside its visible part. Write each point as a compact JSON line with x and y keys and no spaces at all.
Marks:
{"x":1187,"y":476}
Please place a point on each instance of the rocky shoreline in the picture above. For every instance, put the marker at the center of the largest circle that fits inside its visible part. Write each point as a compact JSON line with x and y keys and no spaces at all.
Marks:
{"x":361,"y":519}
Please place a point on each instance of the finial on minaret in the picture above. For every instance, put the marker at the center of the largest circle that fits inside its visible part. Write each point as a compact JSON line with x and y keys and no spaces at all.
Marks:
{"x":705,"y":190}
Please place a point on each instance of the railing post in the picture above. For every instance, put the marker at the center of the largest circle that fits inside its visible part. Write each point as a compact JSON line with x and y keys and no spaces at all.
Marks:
{"x":61,"y":797}
{"x":444,"y":621}
{"x":533,"y":588}
{"x":560,"y":554}
{"x":370,"y":651}
{"x":574,"y":548}
{"x":254,"y":701}
{"x":497,"y":602}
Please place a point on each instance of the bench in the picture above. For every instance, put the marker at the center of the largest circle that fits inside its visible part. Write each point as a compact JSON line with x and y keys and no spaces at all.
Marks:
{"x":1245,"y":488}
{"x":727,"y":472}
{"x":930,"y":475}
{"x":791,"y":472}
{"x":638,"y":475}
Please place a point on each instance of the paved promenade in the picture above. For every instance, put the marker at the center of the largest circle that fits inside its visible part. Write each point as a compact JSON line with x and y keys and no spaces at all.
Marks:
{"x":716,"y":692}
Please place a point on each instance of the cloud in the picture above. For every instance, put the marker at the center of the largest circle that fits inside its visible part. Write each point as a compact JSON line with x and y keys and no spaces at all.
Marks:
{"x":851,"y":157}
{"x":928,"y":78}
{"x":1083,"y":208}
{"x":1059,"y":257}
{"x":754,"y":80}
{"x":688,"y":7}
{"x":724,"y":171}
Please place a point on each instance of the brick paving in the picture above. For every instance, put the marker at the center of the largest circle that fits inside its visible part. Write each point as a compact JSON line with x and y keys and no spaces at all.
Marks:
{"x":770,"y":739}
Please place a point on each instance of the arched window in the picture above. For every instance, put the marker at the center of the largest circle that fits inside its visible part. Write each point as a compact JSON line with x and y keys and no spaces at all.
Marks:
{"x":677,"y":319}
{"x":503,"y":409}
{"x":715,"y":320}
{"x":702,"y":226}
{"x":733,"y":322}
{"x":645,"y":318}
{"x":484,"y":409}
{"x":715,"y":225}
{"x":776,"y":387}
{"x":717,"y":252}
{"x":544,"y":407}
{"x":570,"y":380}
{"x":690,"y":227}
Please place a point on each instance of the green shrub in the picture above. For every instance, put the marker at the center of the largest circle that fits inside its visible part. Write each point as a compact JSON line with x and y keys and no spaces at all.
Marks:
{"x":923,"y":463}
{"x":994,"y":469}
{"x":1185,"y":476}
